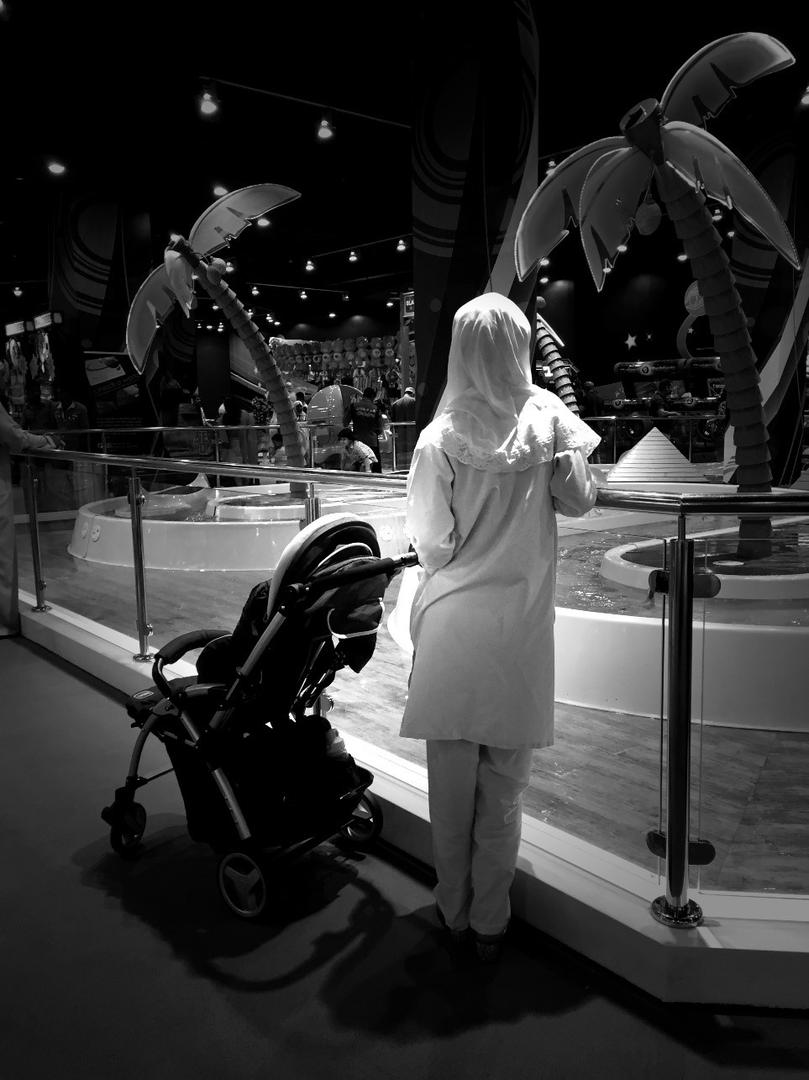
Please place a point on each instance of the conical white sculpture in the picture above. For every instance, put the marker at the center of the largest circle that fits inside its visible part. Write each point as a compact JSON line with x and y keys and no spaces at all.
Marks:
{"x":655,"y":460}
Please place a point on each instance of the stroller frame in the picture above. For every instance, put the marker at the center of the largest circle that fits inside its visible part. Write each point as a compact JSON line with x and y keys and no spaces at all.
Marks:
{"x":245,"y":868}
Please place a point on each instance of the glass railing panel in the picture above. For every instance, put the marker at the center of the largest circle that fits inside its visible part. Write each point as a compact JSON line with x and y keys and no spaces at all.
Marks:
{"x":84,"y":545}
{"x":750,"y":762}
{"x":601,"y":780}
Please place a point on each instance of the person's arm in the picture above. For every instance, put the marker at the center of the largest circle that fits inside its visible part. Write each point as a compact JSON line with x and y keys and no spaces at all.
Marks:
{"x":18,"y":439}
{"x":573,"y":487}
{"x":430,"y":524}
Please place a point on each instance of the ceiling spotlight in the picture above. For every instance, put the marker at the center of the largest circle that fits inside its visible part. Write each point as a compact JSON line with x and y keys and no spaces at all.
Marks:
{"x":388,"y":303}
{"x":17,"y":290}
{"x":254,"y":291}
{"x":544,"y":262}
{"x":621,"y":248}
{"x":353,"y":256}
{"x":208,"y":104}
{"x":263,"y":222}
{"x":325,"y":129}
{"x":220,"y":328}
{"x":249,"y":313}
{"x":332,"y":314}
{"x":208,"y":326}
{"x":345,"y":297}
{"x":214,"y":307}
{"x":730,"y":234}
{"x":229,"y":267}
{"x":219,"y":190}
{"x":401,"y":246}
{"x":682,"y":257}
{"x":303,"y":294}
{"x":544,"y":280}
{"x":276,"y":323}
{"x":309,"y":264}
{"x":56,"y":168}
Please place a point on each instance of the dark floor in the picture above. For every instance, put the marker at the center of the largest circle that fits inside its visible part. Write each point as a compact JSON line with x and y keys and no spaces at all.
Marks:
{"x":118,"y":969}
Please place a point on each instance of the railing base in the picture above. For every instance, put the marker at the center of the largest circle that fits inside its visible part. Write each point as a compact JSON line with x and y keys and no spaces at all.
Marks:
{"x":684,"y":917}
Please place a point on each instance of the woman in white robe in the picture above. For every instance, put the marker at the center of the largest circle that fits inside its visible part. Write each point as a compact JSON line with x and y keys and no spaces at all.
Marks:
{"x":487,"y":475}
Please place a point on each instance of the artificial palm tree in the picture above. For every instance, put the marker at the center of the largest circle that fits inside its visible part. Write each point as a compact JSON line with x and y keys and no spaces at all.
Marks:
{"x":209,"y":275}
{"x":601,"y":186}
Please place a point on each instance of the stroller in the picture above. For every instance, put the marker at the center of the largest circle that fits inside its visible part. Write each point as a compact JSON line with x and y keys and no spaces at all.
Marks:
{"x":263,"y":775}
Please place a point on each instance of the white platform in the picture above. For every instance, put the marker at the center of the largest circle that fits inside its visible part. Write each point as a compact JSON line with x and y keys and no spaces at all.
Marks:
{"x":751,"y":950}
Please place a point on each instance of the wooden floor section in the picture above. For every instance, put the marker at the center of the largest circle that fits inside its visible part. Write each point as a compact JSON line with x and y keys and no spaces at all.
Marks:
{"x":599,"y":781}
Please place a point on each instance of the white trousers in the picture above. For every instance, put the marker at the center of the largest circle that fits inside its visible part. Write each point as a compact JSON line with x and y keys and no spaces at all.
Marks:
{"x":475,"y":796}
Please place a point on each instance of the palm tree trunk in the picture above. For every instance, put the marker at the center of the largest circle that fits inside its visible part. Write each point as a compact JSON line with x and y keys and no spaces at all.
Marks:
{"x":559,"y":376}
{"x":235,"y":312}
{"x":711,"y":269}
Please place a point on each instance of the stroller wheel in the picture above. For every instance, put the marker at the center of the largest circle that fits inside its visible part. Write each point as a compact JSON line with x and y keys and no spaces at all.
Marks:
{"x":365,"y":824}
{"x":127,"y":831}
{"x":244,"y":883}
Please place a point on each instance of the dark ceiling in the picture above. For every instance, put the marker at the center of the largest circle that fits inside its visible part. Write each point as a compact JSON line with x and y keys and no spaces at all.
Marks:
{"x":112,"y":90}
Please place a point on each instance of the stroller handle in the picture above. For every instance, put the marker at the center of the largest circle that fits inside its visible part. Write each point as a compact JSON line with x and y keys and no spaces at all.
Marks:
{"x":335,"y":578}
{"x":177,"y":647}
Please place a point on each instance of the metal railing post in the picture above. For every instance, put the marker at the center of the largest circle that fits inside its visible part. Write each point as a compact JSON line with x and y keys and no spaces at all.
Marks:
{"x":31,"y":485}
{"x":614,"y":440}
{"x":393,"y":448}
{"x":675,"y":909}
{"x":311,"y":505}
{"x":145,"y":629}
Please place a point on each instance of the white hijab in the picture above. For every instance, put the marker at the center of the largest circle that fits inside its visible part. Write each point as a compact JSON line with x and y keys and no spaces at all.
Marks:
{"x":491,"y":415}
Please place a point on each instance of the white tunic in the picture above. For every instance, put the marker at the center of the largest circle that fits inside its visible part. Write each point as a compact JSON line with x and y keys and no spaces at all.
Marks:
{"x":483,"y":612}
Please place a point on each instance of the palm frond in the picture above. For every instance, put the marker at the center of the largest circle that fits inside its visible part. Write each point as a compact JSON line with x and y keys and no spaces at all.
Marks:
{"x":555,"y":205}
{"x":706,"y":81}
{"x":705,"y":162}
{"x":217,"y":226}
{"x":610,"y":196}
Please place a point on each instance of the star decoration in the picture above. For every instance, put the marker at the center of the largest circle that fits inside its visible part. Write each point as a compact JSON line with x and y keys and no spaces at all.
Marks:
{"x":631,"y":341}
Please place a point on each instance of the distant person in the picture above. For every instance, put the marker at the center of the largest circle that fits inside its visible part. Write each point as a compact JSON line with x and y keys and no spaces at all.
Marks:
{"x":356,"y":455}
{"x":277,"y":454}
{"x":365,"y":418}
{"x":241,"y":445}
{"x":12,"y":437}
{"x":403,"y":411}
{"x":591,"y":404}
{"x":38,"y":415}
{"x":170,"y":396}
{"x":658,"y":402}
{"x":72,"y":415}
{"x":301,"y":408}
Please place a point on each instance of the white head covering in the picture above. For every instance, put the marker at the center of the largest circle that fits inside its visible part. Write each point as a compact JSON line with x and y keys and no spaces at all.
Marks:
{"x":491,"y":415}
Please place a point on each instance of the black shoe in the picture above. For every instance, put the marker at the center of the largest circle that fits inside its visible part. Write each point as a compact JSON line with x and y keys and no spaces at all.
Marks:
{"x":488,"y":947}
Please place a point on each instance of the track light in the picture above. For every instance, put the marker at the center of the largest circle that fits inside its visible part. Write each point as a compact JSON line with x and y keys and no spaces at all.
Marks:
{"x":254,"y":291}
{"x":309,"y":264}
{"x":303,"y":294}
{"x":345,"y":297}
{"x":208,"y":103}
{"x":56,"y":168}
{"x":17,"y":290}
{"x":229,"y":267}
{"x":353,"y":256}
{"x":325,"y":129}
{"x":401,"y":246}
